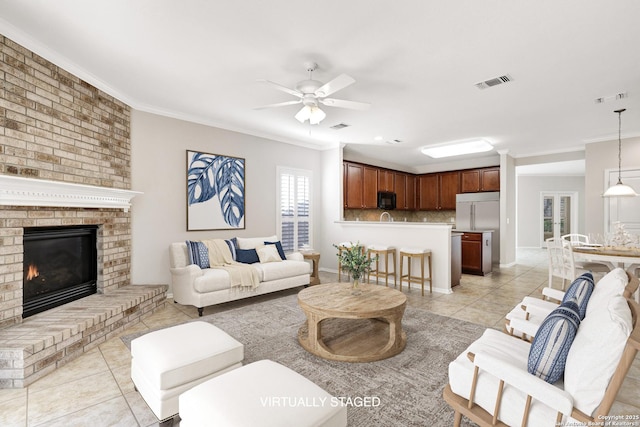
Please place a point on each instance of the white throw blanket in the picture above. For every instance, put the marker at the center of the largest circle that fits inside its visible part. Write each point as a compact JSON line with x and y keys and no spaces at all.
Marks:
{"x":243,"y":276}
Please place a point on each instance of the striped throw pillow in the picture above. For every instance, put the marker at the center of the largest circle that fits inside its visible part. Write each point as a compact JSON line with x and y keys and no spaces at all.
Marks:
{"x":198,"y":254}
{"x":581,"y":290}
{"x":548,"y":353}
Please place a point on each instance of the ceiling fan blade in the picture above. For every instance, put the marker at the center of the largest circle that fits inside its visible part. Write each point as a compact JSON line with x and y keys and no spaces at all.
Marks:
{"x":280,"y":104}
{"x":342,"y":103}
{"x":282,"y":88}
{"x":340,"y":82}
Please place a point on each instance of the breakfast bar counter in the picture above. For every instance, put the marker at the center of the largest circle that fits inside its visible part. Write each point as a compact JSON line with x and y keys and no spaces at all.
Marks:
{"x":435,"y":237}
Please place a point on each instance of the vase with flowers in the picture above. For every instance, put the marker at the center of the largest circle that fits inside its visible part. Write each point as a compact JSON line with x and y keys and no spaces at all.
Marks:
{"x":356,"y":261}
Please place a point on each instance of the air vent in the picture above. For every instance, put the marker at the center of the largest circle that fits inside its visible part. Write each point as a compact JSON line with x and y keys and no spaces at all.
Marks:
{"x":393,"y":141}
{"x":340,"y":126}
{"x":494,"y":82}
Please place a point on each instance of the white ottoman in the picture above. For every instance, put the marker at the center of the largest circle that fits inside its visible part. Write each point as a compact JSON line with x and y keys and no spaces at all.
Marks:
{"x":170,"y":361}
{"x":264,"y":394}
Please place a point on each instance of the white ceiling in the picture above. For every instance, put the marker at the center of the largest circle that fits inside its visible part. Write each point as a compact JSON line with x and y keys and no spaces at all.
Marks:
{"x":415,"y":61}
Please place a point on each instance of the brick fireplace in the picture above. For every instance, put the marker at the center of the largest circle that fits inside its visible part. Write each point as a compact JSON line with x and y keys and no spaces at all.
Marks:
{"x":65,"y":154}
{"x":23,"y":205}
{"x":55,"y":127}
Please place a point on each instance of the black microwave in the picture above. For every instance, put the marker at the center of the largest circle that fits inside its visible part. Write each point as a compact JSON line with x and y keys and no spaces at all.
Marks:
{"x":386,"y":200}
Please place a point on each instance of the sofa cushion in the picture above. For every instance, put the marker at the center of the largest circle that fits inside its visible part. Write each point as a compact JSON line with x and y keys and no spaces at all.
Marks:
{"x":612,"y":284}
{"x":198,"y":253}
{"x":596,"y":351}
{"x":212,"y":279}
{"x":279,"y":247}
{"x":580,"y":289}
{"x":247,"y":256}
{"x":281,"y":270}
{"x":268,"y":253}
{"x":552,"y":342}
{"x":254,"y":242}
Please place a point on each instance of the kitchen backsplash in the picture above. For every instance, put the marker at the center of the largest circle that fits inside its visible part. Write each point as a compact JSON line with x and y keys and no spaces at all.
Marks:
{"x":397,"y":215}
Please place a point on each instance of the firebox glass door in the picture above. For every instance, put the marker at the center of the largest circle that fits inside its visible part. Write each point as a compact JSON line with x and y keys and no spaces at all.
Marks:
{"x":59,"y":266}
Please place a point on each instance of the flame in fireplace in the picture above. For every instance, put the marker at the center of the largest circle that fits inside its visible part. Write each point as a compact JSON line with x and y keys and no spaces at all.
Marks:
{"x":32,"y":272}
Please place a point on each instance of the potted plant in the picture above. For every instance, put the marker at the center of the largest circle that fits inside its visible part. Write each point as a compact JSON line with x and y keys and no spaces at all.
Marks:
{"x":356,"y":261}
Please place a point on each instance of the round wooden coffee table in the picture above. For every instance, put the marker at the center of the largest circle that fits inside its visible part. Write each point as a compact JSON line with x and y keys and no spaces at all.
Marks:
{"x":379,"y":334}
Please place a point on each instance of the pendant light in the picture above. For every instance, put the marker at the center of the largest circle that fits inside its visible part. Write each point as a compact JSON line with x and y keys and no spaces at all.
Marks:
{"x":619,"y":190}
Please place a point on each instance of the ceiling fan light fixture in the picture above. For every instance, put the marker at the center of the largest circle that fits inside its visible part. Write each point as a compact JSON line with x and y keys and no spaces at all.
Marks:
{"x":312,"y":113}
{"x":620,"y":189}
{"x":458,"y":149}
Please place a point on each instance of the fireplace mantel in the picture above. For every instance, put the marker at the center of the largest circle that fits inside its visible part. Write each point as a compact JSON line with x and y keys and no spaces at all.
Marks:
{"x":19,"y":191}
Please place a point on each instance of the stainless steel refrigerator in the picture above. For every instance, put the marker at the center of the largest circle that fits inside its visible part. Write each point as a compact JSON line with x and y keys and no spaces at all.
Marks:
{"x":480,"y":211}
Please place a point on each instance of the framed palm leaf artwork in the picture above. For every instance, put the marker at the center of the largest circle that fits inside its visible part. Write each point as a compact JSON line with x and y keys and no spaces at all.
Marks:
{"x":215,"y":192}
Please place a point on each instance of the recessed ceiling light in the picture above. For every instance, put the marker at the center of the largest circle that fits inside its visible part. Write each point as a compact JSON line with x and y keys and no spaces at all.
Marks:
{"x":458,"y":149}
{"x":378,"y":138}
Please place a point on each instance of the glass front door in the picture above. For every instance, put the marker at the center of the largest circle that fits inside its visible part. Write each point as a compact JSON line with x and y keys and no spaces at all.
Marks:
{"x":557,"y":215}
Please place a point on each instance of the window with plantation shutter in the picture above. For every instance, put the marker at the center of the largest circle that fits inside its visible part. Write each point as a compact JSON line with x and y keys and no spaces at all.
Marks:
{"x":294,"y":204}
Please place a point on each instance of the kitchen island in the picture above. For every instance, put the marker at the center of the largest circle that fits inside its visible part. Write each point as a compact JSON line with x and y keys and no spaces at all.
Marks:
{"x":433,"y":236}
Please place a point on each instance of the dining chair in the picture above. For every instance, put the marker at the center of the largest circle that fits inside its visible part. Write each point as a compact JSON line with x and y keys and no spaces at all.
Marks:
{"x":561,"y":262}
{"x":575,"y":239}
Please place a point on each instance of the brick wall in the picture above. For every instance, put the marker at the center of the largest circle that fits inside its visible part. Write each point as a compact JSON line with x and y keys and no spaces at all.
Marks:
{"x":57,"y":127}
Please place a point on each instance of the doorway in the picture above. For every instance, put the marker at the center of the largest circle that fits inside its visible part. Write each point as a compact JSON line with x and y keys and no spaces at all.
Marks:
{"x":559,"y":214}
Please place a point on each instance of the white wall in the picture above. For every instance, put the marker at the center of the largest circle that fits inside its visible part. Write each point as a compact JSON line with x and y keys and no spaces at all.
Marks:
{"x":507,"y":210}
{"x":599,"y":157}
{"x":158,"y":167}
{"x":529,"y":209}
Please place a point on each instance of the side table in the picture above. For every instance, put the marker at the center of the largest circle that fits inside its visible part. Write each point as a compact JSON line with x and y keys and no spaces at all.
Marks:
{"x":315,"y":259}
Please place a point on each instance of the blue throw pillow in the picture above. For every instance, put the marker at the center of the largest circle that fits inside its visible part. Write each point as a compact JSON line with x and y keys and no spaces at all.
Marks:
{"x":581,"y":290}
{"x":548,"y":352}
{"x":279,"y":248}
{"x":198,"y":254}
{"x":233,"y":244}
{"x":247,"y":256}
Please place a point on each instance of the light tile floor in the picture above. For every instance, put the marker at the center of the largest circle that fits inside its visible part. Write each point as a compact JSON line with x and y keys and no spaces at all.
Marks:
{"x":96,"y":389}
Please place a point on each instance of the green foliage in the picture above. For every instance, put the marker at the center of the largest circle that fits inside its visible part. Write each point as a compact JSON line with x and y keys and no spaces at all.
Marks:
{"x":355,"y":260}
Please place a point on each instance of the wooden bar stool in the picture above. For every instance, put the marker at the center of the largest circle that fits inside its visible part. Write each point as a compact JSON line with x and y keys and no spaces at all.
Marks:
{"x":383,"y":253}
{"x":410,"y":254}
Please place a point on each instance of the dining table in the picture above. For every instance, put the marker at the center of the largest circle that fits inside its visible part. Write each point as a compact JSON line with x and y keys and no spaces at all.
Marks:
{"x":619,"y":257}
{"x":623,"y":257}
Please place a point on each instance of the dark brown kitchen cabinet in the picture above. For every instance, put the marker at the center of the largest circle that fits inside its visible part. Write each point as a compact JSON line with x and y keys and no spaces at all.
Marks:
{"x":476,"y":253}
{"x":411,"y":192}
{"x":360,"y":186}
{"x":479,"y":180}
{"x":385,"y":180}
{"x":370,"y":188}
{"x":448,"y":187}
{"x":428,"y":192}
{"x":400,"y":184}
{"x":490,"y":179}
{"x":437,"y":191}
{"x":353,"y":178}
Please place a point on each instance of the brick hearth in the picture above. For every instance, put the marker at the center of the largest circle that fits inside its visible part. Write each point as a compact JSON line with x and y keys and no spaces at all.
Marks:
{"x":48,"y":340}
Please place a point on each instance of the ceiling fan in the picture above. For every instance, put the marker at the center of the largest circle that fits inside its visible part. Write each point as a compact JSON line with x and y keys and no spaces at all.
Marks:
{"x":312,"y":92}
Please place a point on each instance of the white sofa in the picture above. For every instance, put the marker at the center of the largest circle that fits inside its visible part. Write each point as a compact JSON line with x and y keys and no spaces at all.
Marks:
{"x":192,"y":285}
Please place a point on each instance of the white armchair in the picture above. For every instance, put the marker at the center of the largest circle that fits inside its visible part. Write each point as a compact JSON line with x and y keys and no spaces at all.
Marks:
{"x":525,"y":318}
{"x":489,"y":382}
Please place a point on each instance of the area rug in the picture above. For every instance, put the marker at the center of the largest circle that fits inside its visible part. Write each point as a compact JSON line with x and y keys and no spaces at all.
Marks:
{"x":404,"y":390}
